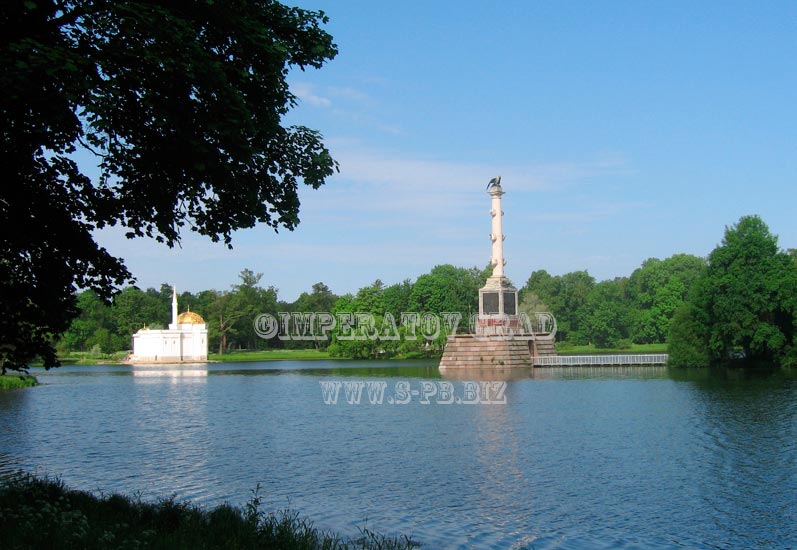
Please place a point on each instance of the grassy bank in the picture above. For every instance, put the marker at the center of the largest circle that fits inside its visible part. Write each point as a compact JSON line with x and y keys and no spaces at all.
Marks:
{"x":91,"y":358}
{"x":12,"y":381}
{"x":270,"y":355}
{"x":592,"y":350}
{"x":88,"y":358}
{"x":37,"y":513}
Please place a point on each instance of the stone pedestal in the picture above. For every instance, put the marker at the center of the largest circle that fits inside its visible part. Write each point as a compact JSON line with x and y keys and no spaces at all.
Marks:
{"x":469,"y":351}
{"x":497,"y":308}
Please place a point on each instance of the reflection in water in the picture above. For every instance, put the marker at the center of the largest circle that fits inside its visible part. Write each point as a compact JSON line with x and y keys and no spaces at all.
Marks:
{"x":557,"y":373}
{"x":635,"y":372}
{"x":503,"y":482}
{"x":577,"y":457}
{"x":425,"y":370}
{"x":176,"y":438}
{"x":175,"y":373}
{"x":496,"y":374}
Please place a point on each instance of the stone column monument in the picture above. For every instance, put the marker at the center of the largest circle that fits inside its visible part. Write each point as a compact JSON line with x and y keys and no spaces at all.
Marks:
{"x":500,"y":339}
{"x":498,"y":298}
{"x":497,"y":236}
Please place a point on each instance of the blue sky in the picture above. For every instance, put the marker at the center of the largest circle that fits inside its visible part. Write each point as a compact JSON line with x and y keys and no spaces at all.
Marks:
{"x":622,"y":131}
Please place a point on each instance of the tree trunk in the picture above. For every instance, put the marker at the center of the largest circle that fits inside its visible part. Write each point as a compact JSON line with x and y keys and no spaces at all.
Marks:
{"x":222,"y":343}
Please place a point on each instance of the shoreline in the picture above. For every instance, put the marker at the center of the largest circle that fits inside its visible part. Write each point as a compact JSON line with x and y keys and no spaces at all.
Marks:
{"x":85,"y":520}
{"x":10,"y":381}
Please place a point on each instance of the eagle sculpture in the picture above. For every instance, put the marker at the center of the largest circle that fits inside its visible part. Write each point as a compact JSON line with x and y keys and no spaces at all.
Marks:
{"x":495,"y":182}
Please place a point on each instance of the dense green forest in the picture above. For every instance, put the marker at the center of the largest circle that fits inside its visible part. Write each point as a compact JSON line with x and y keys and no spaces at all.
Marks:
{"x":743,"y":306}
{"x":741,"y":300}
{"x":607,"y":314}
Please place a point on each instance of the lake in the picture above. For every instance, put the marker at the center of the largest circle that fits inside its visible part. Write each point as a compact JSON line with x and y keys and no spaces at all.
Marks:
{"x":559,"y":458}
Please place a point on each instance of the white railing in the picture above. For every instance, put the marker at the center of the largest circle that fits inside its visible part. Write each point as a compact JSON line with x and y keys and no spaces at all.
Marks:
{"x":600,"y":360}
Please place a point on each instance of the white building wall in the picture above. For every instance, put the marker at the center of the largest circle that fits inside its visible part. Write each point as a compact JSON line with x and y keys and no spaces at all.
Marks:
{"x":187,"y":342}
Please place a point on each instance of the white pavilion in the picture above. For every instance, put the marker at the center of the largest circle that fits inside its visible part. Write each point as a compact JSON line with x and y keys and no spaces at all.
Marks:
{"x":186,"y":339}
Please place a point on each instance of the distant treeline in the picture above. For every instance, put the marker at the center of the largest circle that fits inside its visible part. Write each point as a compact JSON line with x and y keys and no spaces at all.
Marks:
{"x":637,"y":309}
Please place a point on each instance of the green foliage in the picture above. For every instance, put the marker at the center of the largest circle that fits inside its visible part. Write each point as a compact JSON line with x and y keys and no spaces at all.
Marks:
{"x":448,"y":289}
{"x":133,"y":309}
{"x":603,"y":319}
{"x":746,"y":299}
{"x":656,"y":290}
{"x":396,"y":298}
{"x":565,"y":295}
{"x":107,"y":328}
{"x":687,"y":346}
{"x":598,"y":316}
{"x":623,"y":346}
{"x":368,"y":300}
{"x":104,"y":329}
{"x":182,"y":104}
{"x":12,"y":381}
{"x":271,"y":355}
{"x":248,"y":301}
{"x":321,"y":299}
{"x":639,"y":308}
{"x":45,"y":514}
{"x":531,"y":304}
{"x":97,"y":326}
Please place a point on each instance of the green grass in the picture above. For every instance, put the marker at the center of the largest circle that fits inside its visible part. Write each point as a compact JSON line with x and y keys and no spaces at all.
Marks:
{"x":87,"y":358}
{"x":270,"y":355}
{"x":90,"y":358}
{"x":565,"y":349}
{"x":42,"y":513}
{"x":84,"y":358}
{"x":12,"y":381}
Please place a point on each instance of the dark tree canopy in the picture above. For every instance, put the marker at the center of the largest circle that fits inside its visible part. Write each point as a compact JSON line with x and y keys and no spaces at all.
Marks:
{"x":182,"y":104}
{"x":744,"y":301}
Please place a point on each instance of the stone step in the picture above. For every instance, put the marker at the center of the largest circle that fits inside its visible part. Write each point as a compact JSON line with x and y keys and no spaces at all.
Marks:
{"x":473,"y":353}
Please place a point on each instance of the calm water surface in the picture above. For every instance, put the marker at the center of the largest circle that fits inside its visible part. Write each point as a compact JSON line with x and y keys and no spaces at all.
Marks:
{"x":576,"y":458}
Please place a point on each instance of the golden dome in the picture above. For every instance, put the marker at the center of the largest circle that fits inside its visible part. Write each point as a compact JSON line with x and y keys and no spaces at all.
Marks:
{"x":190,"y":318}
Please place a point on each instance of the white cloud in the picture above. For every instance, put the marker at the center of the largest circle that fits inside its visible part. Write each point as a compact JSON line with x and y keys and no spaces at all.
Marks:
{"x":306,"y":92}
{"x":389,"y":216}
{"x":383,"y":190}
{"x":350,"y":94}
{"x":362,"y":166}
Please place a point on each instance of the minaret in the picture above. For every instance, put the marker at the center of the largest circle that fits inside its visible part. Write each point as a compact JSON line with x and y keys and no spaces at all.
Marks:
{"x":497,"y":235}
{"x":174,"y":308}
